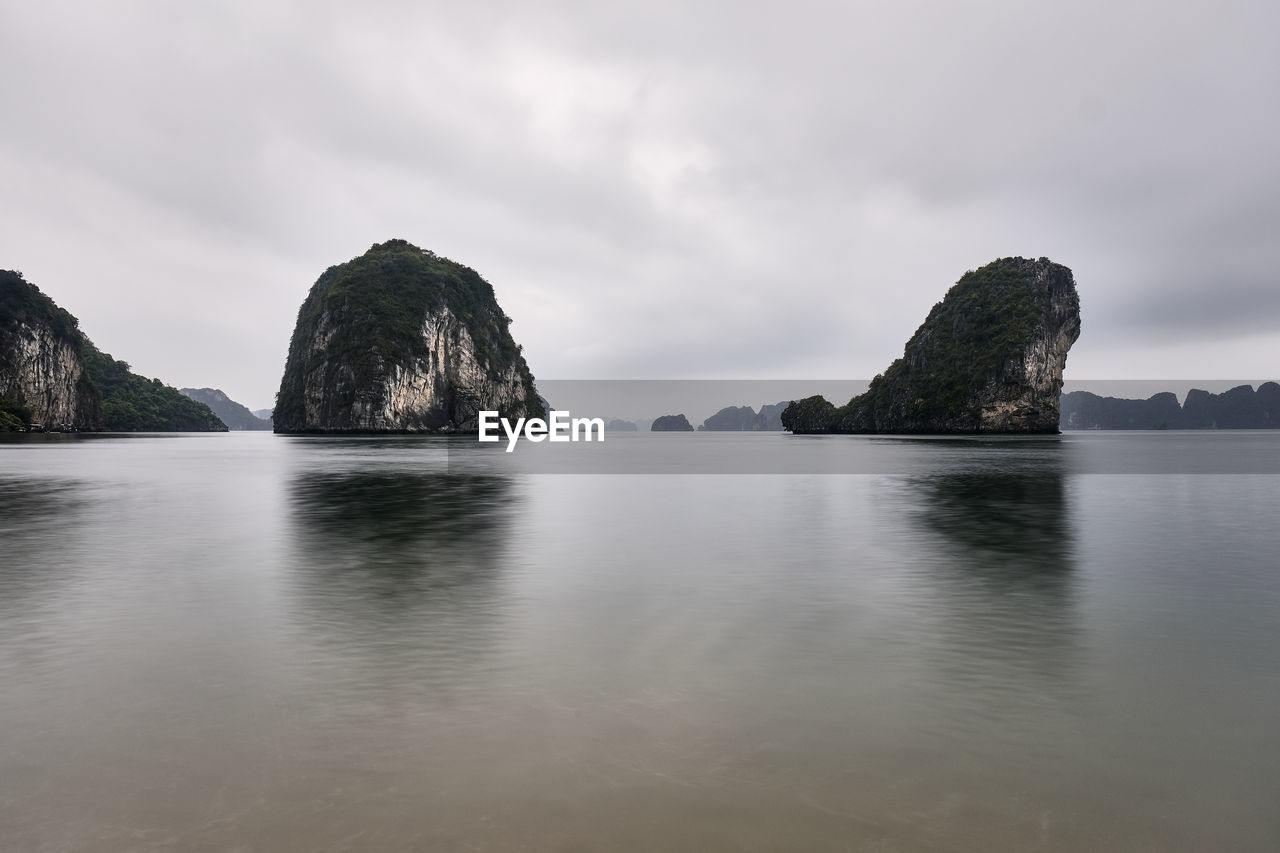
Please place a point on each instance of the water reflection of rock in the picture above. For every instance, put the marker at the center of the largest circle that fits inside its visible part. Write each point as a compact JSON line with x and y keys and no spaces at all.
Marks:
{"x":1009,"y":529}
{"x":399,"y":567}
{"x":29,"y":502}
{"x":39,"y":526}
{"x":1002,"y":569}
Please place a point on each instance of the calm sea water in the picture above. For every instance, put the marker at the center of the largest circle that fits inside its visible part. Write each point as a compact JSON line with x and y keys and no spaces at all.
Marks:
{"x":255,"y":643}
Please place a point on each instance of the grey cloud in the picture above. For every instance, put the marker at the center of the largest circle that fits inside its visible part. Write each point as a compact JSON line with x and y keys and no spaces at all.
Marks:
{"x":1214,"y":309}
{"x":658,"y":189}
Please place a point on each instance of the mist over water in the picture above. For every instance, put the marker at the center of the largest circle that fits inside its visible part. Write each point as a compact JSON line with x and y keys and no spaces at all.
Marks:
{"x":261,"y":643}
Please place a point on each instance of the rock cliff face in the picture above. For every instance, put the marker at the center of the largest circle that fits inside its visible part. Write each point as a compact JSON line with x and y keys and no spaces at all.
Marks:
{"x":988,"y":359}
{"x":44,"y":371}
{"x":41,"y":368}
{"x":52,"y":376}
{"x":401,"y":340}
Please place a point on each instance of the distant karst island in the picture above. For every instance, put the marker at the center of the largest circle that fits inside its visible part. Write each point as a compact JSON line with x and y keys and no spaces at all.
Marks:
{"x":401,"y":340}
{"x":746,"y":419}
{"x":235,"y":415}
{"x":1239,"y":408}
{"x":52,"y":377}
{"x":671,"y":423}
{"x":988,"y":359}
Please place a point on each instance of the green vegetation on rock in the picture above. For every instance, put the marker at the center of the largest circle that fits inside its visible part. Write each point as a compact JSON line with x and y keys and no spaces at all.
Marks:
{"x":21,"y":301}
{"x":984,"y":322}
{"x":811,"y":415}
{"x":133,"y":403}
{"x":988,"y":358}
{"x":48,"y":364}
{"x":363,"y":327}
{"x":14,"y":415}
{"x":235,"y":415}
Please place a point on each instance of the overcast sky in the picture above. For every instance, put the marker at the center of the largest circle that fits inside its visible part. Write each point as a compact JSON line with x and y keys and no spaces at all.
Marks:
{"x":655,"y":190}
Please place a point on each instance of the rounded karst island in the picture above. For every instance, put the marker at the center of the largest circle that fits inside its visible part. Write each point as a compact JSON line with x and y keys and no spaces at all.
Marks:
{"x":401,"y":340}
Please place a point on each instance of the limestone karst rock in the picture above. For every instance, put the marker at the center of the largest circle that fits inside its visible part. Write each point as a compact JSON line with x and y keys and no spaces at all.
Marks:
{"x":1239,"y":408}
{"x":52,"y":377}
{"x":671,"y":423}
{"x":988,"y":359}
{"x":42,"y":371}
{"x":401,"y":340}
